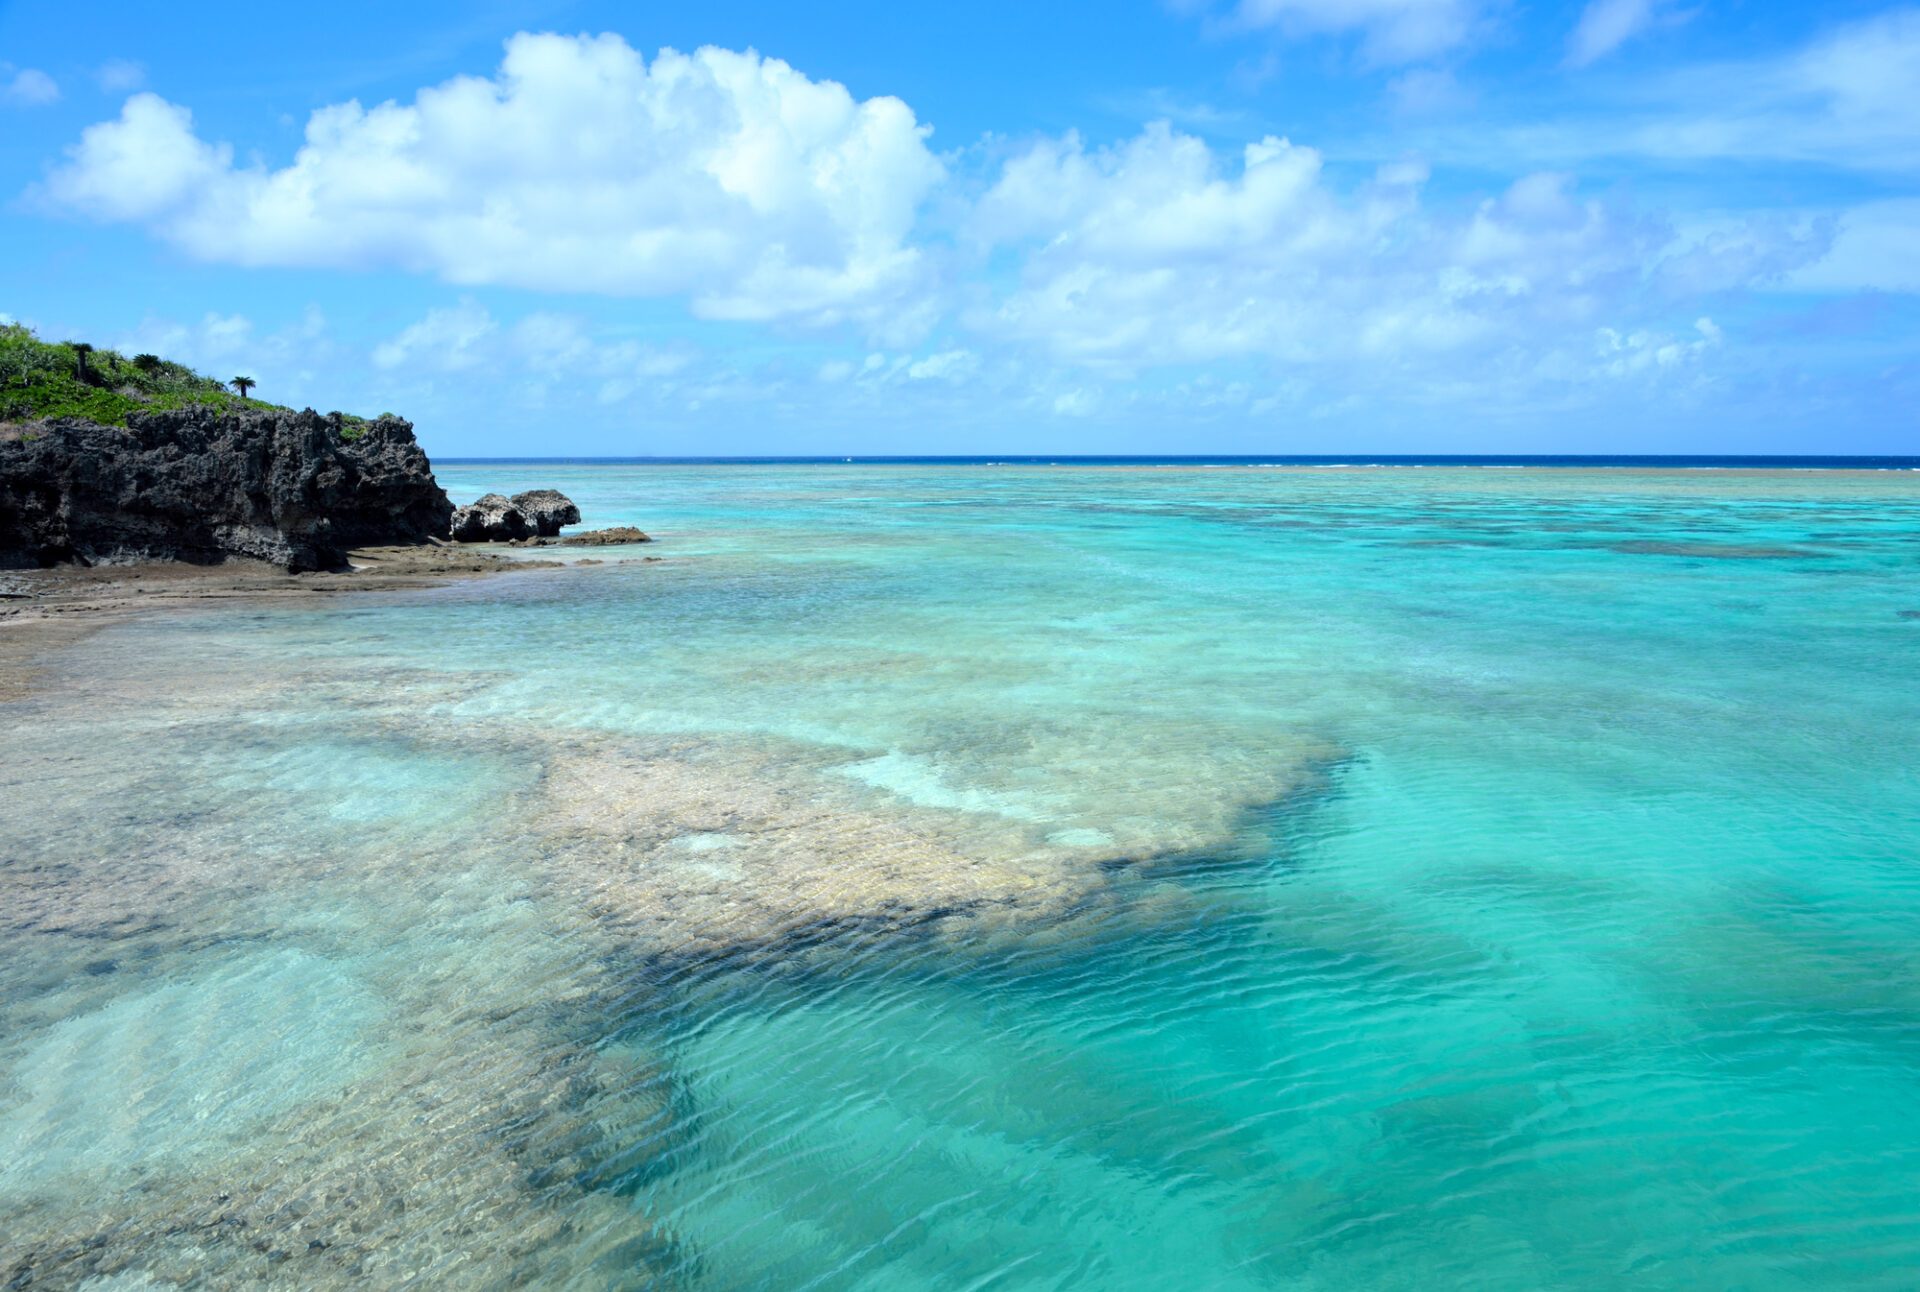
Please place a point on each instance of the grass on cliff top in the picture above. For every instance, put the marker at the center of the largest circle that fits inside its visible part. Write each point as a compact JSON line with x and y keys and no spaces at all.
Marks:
{"x":41,"y":379}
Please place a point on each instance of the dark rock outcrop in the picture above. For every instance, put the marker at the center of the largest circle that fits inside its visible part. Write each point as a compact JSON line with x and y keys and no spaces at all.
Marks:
{"x":547,"y":510}
{"x":605,"y":537}
{"x":490,"y":519}
{"x":496,"y":518}
{"x":200,"y":485}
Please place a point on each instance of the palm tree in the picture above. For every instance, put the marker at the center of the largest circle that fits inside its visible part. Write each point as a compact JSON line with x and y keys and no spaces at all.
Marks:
{"x":243,"y":385}
{"x":81,"y":350}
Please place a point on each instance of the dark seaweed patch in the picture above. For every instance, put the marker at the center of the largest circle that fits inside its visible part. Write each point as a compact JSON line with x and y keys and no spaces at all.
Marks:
{"x":1718,"y":551}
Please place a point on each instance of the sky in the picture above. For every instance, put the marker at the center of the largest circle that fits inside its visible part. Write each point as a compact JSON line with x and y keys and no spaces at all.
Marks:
{"x":1174,"y":226}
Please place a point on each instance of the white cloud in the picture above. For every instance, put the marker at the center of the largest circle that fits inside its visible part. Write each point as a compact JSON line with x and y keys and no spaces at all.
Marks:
{"x":764,"y":196}
{"x":1876,"y":247}
{"x":1865,"y":73}
{"x":1842,"y":100}
{"x":29,"y":88}
{"x":578,"y":167}
{"x":1623,"y":356}
{"x":947,"y":365}
{"x":288,"y":361}
{"x":1078,"y":402}
{"x":1604,"y":26}
{"x":445,"y":339}
{"x":1427,"y":90}
{"x":544,"y":346}
{"x":119,"y":75}
{"x":1158,"y":252}
{"x":145,"y":166}
{"x":1394,"y":31}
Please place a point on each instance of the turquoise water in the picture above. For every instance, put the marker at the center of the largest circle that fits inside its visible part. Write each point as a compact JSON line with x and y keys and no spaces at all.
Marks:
{"x":979,"y":877}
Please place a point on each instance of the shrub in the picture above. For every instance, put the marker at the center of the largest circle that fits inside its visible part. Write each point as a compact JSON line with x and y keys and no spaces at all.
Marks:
{"x":39,"y":379}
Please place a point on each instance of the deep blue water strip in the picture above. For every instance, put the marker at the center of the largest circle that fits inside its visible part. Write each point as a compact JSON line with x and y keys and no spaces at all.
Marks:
{"x":1228,"y":459}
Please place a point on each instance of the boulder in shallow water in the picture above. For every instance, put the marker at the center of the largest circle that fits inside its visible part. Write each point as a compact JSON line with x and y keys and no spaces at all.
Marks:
{"x":496,"y":518}
{"x":546,"y":510}
{"x":490,"y":519}
{"x":605,"y":537}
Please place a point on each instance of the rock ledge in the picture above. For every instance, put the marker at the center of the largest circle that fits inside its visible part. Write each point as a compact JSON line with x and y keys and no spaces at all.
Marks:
{"x":202,"y":486}
{"x":605,"y":537}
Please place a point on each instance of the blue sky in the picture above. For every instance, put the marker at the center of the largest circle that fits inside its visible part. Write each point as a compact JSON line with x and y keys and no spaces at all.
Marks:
{"x":1240,"y":226}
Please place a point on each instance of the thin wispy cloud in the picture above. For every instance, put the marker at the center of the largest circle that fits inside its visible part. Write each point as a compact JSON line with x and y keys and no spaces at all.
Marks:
{"x":1604,"y":26}
{"x":1840,"y":101}
{"x":1391,"y":31}
{"x":120,"y":75}
{"x":27,"y":88}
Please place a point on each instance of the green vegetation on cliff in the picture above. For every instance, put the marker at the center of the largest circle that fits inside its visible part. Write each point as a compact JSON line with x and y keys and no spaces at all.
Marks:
{"x":41,"y":379}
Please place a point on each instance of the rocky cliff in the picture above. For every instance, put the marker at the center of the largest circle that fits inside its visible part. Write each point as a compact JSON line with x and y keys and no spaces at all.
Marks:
{"x":197,"y":484}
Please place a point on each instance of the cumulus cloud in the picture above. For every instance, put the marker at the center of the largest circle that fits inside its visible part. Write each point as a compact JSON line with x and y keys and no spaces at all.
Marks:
{"x":1394,"y":31}
{"x":729,"y":177}
{"x":28,"y":88}
{"x":763,"y":196}
{"x":1158,"y":251}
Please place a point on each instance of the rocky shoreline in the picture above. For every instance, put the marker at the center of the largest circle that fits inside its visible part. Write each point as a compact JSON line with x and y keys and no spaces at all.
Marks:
{"x":297,"y":491}
{"x":187,"y":506}
{"x":201,"y":486}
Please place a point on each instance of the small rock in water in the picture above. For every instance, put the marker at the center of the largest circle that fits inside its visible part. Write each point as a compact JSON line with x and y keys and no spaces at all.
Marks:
{"x":605,"y":537}
{"x":1910,"y":614}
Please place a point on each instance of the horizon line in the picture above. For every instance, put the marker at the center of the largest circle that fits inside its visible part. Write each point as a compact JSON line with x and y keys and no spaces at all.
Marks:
{"x":1682,"y":460}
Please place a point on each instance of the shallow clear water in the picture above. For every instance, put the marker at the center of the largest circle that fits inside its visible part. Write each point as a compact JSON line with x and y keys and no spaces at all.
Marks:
{"x":998,"y":878}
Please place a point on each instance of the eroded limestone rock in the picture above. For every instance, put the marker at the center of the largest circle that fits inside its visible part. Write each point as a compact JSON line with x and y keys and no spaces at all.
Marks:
{"x":200,"y":485}
{"x":496,"y":518}
{"x":491,"y":518}
{"x":606,"y":537}
{"x":547,"y":510}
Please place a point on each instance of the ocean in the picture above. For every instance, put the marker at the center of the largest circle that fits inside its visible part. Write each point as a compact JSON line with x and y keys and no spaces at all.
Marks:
{"x":998,"y":875}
